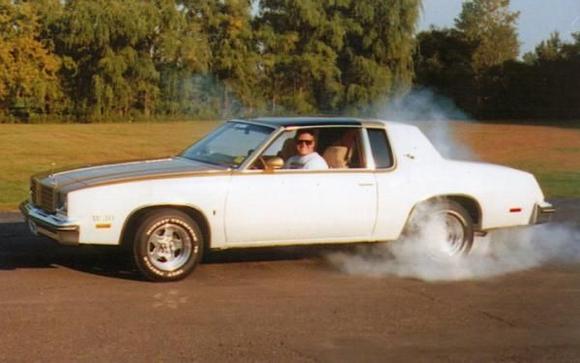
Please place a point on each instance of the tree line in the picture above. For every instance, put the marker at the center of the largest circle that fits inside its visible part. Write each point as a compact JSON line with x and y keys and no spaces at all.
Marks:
{"x":476,"y":64}
{"x":94,"y":60}
{"x":124,"y":59}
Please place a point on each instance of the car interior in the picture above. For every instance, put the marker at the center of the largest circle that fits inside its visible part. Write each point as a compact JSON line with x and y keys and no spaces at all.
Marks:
{"x":339,"y":146}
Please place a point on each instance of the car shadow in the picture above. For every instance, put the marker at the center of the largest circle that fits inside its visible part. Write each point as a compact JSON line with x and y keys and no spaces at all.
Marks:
{"x":261,"y":254}
{"x":20,"y":249}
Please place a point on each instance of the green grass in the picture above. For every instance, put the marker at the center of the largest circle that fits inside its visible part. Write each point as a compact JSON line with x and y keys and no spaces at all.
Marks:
{"x":554,"y":180}
{"x":559,"y":184}
{"x":29,"y":149}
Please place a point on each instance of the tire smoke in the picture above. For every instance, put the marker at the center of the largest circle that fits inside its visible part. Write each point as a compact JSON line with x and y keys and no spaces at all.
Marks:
{"x":434,"y":115}
{"x":427,"y":256}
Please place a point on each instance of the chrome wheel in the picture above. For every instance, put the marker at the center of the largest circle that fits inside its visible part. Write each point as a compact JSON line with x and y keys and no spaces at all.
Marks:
{"x":445,"y":225}
{"x":455,"y":226}
{"x":169,"y":247}
{"x":168,"y":244}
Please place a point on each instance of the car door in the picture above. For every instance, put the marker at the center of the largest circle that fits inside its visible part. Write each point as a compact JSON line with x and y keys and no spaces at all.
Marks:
{"x":299,"y":206}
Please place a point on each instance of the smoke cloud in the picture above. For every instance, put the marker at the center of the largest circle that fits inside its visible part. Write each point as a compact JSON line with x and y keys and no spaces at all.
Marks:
{"x":434,"y":115}
{"x":427,"y":255}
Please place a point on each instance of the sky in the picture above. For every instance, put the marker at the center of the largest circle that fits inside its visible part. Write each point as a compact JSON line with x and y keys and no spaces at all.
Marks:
{"x":538,"y":18}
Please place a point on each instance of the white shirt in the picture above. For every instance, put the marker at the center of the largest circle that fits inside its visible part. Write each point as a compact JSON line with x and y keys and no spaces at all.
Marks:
{"x":310,"y":161}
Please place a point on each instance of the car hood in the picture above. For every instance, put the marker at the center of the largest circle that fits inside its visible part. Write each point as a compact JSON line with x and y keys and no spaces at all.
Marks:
{"x":91,"y":176}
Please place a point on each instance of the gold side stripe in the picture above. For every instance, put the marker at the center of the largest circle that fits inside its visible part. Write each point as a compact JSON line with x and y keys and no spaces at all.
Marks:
{"x":105,"y":181}
{"x":103,"y":225}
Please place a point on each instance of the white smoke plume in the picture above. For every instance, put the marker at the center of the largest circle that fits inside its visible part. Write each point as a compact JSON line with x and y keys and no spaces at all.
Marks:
{"x":427,"y":255}
{"x":434,"y":115}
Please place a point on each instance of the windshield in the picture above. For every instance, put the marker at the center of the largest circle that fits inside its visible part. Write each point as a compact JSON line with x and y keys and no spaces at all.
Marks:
{"x":230,"y":145}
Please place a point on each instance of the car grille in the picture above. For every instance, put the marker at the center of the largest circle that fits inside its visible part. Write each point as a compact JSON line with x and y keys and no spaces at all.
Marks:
{"x":43,"y":196}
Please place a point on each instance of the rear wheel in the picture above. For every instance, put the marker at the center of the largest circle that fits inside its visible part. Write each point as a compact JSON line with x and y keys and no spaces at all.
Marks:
{"x":168,"y":245}
{"x":457,"y":226}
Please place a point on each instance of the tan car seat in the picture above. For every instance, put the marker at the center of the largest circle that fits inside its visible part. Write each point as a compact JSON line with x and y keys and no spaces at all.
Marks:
{"x":336,"y":157}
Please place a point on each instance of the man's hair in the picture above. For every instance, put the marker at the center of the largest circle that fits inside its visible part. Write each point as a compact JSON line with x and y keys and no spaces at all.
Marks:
{"x":312,"y":132}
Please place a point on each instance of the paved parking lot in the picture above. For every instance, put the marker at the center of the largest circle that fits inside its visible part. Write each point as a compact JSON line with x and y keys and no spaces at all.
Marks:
{"x":285,"y":304}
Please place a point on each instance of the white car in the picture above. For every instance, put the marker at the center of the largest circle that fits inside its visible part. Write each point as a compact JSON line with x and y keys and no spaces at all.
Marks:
{"x":232,"y":190}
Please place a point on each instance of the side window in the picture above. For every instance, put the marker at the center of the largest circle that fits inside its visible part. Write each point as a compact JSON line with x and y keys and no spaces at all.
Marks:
{"x":381,"y":149}
{"x":340,"y":147}
{"x":282,"y":147}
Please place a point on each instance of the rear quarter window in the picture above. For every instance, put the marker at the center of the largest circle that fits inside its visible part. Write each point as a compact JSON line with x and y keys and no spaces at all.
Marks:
{"x":380,"y":148}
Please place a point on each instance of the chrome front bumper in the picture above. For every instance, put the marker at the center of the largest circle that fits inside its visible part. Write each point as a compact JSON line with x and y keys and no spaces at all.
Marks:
{"x":543,"y":213}
{"x":50,"y":225}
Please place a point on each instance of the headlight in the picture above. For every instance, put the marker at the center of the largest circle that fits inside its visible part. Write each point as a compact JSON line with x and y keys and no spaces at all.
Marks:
{"x":33,"y":190}
{"x":62,"y":206}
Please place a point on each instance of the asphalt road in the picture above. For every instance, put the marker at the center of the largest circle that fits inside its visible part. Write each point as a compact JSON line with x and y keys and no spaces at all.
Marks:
{"x":285,"y":304}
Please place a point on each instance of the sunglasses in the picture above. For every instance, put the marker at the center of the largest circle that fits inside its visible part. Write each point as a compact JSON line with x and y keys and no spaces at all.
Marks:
{"x":305,"y":142}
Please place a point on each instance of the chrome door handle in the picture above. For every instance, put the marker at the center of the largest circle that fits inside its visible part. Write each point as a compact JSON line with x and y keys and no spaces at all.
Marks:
{"x":366,"y":184}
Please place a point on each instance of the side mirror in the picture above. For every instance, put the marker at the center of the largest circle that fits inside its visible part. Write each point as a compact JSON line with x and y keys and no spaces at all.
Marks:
{"x":274,"y":163}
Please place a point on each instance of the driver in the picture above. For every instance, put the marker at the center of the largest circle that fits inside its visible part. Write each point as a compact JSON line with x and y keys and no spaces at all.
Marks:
{"x":307,"y":157}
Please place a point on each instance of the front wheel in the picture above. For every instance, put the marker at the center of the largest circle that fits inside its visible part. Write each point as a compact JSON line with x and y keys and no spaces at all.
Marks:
{"x":446,"y":222}
{"x":168,"y":245}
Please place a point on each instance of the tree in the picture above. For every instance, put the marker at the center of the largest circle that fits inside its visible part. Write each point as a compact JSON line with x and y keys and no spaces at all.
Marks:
{"x":377,"y":60}
{"x":333,"y":55}
{"x":547,"y":50}
{"x":544,"y":86}
{"x":299,"y":42}
{"x":107,"y":59}
{"x":233,"y":62}
{"x":443,"y":63}
{"x":572,"y":50}
{"x":556,"y":66}
{"x":181,"y":52}
{"x":492,"y":25}
{"x":29,"y":81}
{"x":116,"y":50}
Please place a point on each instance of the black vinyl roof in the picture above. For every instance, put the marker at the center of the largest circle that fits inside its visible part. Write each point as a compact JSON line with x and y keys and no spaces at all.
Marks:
{"x":306,"y":121}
